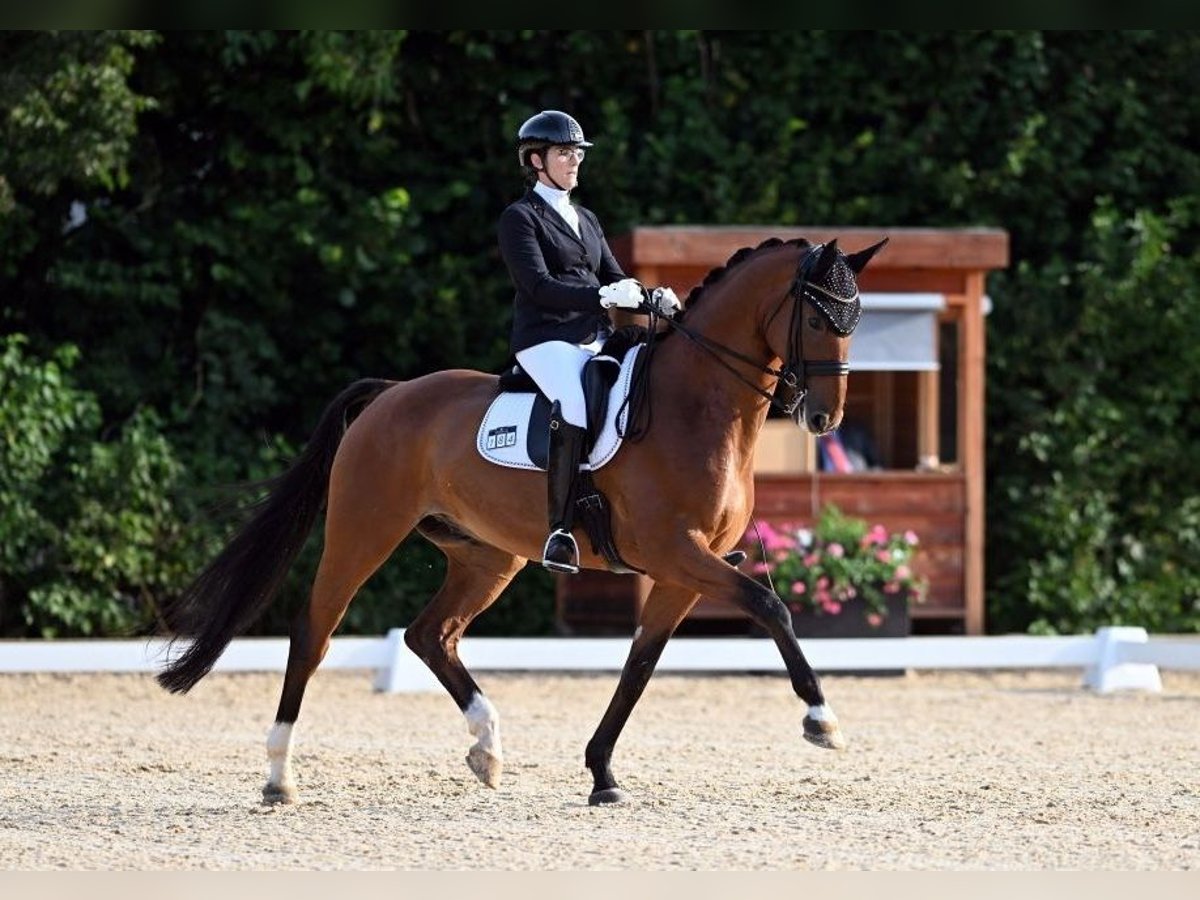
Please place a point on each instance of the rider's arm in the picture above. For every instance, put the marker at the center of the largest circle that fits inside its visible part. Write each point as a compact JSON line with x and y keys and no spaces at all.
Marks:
{"x":610,"y":269}
{"x":523,"y":255}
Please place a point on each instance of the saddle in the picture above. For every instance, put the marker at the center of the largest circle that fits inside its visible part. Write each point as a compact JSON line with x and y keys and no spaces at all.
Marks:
{"x":515,"y":431}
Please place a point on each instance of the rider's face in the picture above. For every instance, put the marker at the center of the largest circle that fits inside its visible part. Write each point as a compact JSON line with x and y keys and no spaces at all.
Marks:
{"x":562,"y":162}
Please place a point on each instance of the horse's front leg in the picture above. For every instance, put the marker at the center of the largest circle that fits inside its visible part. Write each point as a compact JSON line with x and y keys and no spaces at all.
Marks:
{"x":661,"y":614}
{"x":708,"y":574}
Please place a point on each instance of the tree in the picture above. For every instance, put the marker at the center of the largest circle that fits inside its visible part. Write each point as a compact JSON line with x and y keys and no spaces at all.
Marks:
{"x":236,"y":224}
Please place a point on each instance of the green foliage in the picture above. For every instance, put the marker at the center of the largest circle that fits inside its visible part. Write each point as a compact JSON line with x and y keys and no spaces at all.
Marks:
{"x":237,"y":224}
{"x":1097,"y":501}
{"x":69,"y":114}
{"x":90,"y":541}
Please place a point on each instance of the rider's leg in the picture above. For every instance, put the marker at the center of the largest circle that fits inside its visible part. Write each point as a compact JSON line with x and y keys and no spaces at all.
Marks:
{"x":561,"y":554}
{"x":556,"y":366}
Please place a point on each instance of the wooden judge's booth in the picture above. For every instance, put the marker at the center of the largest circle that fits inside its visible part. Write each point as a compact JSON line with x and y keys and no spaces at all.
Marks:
{"x":915,"y":407}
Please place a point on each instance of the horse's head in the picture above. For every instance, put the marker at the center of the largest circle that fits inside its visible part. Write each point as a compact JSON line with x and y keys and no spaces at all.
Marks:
{"x":814,"y":340}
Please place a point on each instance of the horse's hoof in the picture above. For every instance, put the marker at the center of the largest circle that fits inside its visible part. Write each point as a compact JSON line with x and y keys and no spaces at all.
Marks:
{"x":277,"y":794}
{"x":487,"y":768}
{"x":607,"y":797}
{"x":824,"y":734}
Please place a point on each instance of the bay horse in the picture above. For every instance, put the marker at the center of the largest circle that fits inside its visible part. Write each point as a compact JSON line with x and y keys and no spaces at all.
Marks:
{"x":681,"y":497}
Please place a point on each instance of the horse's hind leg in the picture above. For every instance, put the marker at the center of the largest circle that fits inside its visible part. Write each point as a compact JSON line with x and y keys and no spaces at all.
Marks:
{"x":664,"y":609}
{"x":347,"y":561}
{"x":476,"y":574}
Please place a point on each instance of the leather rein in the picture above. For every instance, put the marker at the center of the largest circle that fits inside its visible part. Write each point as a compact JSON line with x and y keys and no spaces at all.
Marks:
{"x":794,"y":373}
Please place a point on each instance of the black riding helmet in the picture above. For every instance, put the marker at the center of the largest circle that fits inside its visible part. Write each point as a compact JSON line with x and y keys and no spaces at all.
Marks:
{"x":547,"y":128}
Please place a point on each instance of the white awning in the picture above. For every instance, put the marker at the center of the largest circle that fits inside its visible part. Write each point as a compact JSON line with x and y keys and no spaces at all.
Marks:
{"x":897,"y":333}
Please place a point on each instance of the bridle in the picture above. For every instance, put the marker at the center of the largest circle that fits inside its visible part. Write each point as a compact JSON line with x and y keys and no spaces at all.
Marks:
{"x":842,"y":314}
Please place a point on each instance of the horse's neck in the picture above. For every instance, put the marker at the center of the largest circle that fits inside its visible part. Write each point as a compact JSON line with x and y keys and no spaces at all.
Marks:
{"x":732,"y":314}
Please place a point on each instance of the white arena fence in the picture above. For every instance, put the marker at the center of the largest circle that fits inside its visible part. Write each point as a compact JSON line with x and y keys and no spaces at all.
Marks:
{"x":1112,"y":659}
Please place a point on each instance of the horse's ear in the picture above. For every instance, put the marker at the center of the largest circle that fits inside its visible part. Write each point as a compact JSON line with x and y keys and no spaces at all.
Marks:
{"x":858,"y":261}
{"x":829,"y":255}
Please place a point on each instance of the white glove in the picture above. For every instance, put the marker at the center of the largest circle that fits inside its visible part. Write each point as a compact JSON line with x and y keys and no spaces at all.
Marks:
{"x":664,"y":300}
{"x":626,"y":293}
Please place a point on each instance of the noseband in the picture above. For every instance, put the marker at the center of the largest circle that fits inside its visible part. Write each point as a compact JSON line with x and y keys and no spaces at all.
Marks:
{"x":841,"y":314}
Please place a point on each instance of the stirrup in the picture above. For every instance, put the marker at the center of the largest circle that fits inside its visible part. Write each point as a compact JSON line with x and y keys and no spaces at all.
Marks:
{"x":569,"y":565}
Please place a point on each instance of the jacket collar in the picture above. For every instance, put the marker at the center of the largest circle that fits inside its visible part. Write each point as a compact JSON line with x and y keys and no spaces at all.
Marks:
{"x":548,"y":214}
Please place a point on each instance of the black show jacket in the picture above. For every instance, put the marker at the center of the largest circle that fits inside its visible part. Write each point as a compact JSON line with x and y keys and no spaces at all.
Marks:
{"x":557,"y":274}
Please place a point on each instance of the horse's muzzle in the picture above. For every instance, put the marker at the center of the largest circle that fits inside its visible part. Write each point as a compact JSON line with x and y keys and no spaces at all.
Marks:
{"x":818,"y":422}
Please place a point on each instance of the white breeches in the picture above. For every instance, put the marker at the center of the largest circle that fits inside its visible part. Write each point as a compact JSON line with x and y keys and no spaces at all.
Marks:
{"x":557,"y":367}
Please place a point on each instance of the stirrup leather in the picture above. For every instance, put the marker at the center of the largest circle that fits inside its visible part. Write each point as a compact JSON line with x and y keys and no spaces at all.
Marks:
{"x":561,"y":543}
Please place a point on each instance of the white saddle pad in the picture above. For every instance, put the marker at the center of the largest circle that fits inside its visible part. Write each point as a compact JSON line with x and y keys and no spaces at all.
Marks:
{"x":504,"y":433}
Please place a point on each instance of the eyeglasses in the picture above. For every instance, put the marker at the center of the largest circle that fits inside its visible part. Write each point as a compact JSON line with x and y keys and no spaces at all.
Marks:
{"x":565,"y":153}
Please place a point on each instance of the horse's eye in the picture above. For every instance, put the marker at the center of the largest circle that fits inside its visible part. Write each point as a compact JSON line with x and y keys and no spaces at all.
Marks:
{"x":814,"y":323}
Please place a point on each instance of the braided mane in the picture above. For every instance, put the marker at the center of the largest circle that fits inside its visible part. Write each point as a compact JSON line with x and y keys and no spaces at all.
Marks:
{"x":740,"y":256}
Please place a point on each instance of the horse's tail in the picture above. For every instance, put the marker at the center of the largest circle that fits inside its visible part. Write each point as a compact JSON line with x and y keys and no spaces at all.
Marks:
{"x":235,"y":588}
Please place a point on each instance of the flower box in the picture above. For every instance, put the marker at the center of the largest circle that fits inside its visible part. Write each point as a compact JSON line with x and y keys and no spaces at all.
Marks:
{"x":839,"y":577}
{"x":854,"y":620}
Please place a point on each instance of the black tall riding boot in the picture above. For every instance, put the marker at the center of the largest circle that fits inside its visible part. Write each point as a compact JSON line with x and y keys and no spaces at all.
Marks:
{"x":561,"y":553}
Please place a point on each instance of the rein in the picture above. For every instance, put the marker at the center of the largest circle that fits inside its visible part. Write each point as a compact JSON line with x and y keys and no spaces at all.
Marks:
{"x":795,"y":371}
{"x":793,"y":374}
{"x":638,"y":398}
{"x":715,"y":349}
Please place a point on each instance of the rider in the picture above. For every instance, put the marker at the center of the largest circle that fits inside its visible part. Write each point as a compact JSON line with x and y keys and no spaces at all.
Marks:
{"x":566,"y":279}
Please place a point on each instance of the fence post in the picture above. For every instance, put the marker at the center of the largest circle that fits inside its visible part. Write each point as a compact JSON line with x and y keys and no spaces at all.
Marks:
{"x":401,"y":671}
{"x":1110,"y":671}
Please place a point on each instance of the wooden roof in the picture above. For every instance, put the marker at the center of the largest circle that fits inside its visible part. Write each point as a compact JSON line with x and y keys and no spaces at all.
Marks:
{"x":909,"y":248}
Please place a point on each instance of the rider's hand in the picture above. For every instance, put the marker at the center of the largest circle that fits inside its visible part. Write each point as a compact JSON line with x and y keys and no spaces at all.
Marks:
{"x":626,"y":293}
{"x":664,"y":300}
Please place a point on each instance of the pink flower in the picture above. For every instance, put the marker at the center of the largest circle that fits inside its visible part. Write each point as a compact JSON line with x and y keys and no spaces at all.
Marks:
{"x":812,"y":559}
{"x":799,"y":587}
{"x":833,"y":607}
{"x":883,"y":556}
{"x":822,"y":583}
{"x":903,"y":572}
{"x":772,"y":539}
{"x":891,"y":588}
{"x":779,"y":555}
{"x":760,"y":568}
{"x":910,"y":537}
{"x":777,"y":541}
{"x":850,"y":593}
{"x":837,"y":551}
{"x":874,"y":619}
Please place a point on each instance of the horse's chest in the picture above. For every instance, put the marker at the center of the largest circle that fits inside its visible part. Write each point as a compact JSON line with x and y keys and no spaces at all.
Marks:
{"x":727,"y":493}
{"x":737,"y":499}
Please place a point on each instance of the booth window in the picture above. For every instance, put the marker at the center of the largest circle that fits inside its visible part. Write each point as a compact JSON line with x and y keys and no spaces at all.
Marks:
{"x":901,"y":398}
{"x":898,"y":333}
